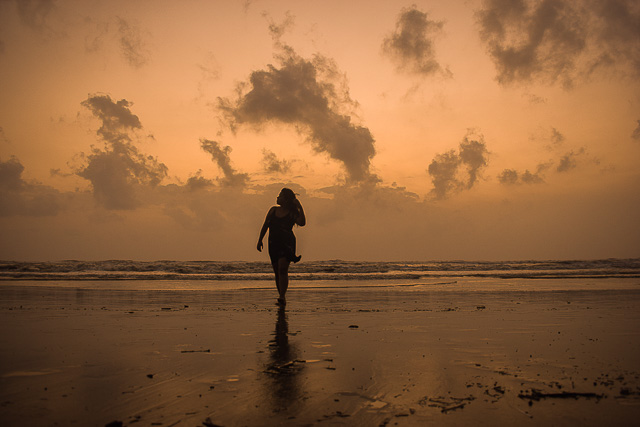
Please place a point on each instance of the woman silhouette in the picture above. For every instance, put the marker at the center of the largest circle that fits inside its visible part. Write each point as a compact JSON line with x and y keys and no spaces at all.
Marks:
{"x":282,"y":242}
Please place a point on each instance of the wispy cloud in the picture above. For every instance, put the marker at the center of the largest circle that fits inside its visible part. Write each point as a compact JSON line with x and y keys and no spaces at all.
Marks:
{"x":557,"y":138}
{"x":636,"y":133}
{"x":412,"y":45}
{"x":117,"y":169}
{"x":513,"y":177}
{"x":271,"y":163}
{"x":198,"y":182}
{"x":452,"y":172}
{"x":132,"y":44}
{"x":3,"y":137}
{"x":564,"y":163}
{"x":220,"y":155}
{"x":569,"y":160}
{"x":34,"y":13}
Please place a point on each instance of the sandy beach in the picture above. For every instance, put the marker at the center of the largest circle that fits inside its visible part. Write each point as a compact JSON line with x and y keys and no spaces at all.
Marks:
{"x":75,"y":355}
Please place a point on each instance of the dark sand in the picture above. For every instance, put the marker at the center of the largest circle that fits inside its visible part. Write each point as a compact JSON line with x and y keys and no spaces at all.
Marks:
{"x":357,"y":357}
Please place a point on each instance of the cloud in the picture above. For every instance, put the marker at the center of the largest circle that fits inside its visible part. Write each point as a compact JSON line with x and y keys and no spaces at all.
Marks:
{"x":560,"y":40}
{"x":198,"y":182}
{"x":34,"y":13}
{"x":411,"y":45}
{"x":118,"y":170}
{"x":10,"y":174}
{"x":210,"y":68}
{"x":277,"y":30}
{"x":565,"y":163}
{"x":3,"y":136}
{"x":617,"y":32}
{"x":94,"y":41}
{"x":636,"y":133}
{"x":568,"y":161}
{"x":220,"y":155}
{"x":452,"y":172}
{"x":513,"y":177}
{"x":117,"y":119}
{"x":556,"y":137}
{"x":18,"y":197}
{"x":132,"y":45}
{"x":271,"y":164}
{"x":308,"y":95}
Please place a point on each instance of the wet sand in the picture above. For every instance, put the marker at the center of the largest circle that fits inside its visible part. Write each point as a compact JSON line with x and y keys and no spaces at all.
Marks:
{"x":359,"y":357}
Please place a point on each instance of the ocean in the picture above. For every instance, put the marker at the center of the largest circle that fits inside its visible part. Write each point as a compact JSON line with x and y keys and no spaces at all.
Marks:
{"x":310,"y":272}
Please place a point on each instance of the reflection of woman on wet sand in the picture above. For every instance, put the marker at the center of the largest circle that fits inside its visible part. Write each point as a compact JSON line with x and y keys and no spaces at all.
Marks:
{"x":283,"y":370}
{"x":282,"y":242}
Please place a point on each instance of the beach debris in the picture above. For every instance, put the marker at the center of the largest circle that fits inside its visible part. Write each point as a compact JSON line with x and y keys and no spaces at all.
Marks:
{"x":209,"y":423}
{"x":446,"y":404}
{"x":353,"y":326}
{"x":287,"y":368}
{"x":114,"y":424}
{"x":626,"y":392}
{"x":196,"y":351}
{"x":166,"y":309}
{"x":337,"y":414}
{"x":149,"y":375}
{"x":537,"y":395}
{"x":480,"y":307}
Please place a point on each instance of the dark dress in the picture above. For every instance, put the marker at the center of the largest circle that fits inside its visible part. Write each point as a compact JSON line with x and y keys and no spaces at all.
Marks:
{"x":282,"y":241}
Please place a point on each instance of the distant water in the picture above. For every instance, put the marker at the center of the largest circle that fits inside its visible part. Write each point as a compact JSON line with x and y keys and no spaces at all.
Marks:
{"x":334,"y":270}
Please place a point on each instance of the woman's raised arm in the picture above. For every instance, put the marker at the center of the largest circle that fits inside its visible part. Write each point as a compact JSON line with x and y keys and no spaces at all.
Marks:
{"x":301,"y":220}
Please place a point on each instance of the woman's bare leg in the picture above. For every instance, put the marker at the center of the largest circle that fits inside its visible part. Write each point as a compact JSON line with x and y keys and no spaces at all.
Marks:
{"x":277,"y":274}
{"x":283,"y":276}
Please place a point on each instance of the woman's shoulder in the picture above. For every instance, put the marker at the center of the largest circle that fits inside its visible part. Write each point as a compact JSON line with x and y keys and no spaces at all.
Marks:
{"x":273,"y":211}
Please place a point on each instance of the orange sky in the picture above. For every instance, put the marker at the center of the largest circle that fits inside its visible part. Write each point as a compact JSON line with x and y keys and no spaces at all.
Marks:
{"x":475,"y":130}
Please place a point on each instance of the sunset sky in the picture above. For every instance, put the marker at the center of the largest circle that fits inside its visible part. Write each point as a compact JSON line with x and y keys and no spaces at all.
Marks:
{"x":426,"y":130}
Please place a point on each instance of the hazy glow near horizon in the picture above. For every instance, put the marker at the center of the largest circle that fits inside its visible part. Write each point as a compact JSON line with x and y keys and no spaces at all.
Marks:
{"x":426,"y":130}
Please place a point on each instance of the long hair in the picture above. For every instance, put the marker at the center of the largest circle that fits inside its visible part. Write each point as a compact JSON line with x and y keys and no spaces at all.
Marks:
{"x":288,"y":197}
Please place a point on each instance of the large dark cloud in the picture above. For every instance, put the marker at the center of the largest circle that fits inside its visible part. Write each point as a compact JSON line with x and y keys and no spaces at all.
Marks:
{"x":19,"y":197}
{"x":220,"y":155}
{"x":306,"y":94}
{"x":117,"y":170}
{"x":452,"y":172}
{"x":411,"y":45}
{"x":560,"y":40}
